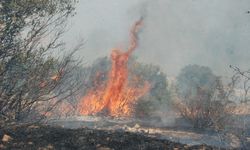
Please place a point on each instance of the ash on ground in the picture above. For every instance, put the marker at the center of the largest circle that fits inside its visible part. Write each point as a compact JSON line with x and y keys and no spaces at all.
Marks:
{"x":39,"y":137}
{"x":182,"y":134}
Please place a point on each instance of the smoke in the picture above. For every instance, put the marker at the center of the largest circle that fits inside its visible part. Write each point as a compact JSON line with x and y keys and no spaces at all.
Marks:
{"x":175,"y":33}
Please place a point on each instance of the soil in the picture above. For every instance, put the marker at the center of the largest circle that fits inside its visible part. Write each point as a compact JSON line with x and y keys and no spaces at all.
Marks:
{"x":41,"y":137}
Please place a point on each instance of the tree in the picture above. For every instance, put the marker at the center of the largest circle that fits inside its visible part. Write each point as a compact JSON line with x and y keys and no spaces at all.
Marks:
{"x":30,"y":73}
{"x":34,"y":18}
{"x":241,"y":80}
{"x":193,"y":76}
{"x":159,"y":95}
{"x":202,"y":98}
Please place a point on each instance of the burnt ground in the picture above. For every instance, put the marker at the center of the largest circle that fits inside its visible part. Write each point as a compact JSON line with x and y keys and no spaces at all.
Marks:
{"x":29,"y":137}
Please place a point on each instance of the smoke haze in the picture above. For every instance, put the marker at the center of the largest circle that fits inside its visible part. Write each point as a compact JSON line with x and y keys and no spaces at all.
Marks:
{"x":176,"y":33}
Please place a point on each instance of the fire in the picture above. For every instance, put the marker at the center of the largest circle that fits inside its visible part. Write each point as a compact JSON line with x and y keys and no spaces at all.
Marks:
{"x":116,"y":97}
{"x":55,"y":78}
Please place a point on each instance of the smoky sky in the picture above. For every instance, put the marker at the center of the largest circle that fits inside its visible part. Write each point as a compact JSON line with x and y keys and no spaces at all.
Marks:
{"x":175,"y":33}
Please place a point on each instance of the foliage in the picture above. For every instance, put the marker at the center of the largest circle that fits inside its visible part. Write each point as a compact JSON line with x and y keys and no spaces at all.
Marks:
{"x":159,"y":94}
{"x":30,"y":74}
{"x":193,"y":76}
{"x":202,"y":98}
{"x":32,"y":17}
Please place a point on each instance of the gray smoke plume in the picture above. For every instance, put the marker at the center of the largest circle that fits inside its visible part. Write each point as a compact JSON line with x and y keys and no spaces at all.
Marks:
{"x":175,"y":33}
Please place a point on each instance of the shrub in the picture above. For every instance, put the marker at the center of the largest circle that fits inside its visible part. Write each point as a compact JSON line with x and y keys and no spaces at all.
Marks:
{"x":30,"y":33}
{"x":201,"y":98}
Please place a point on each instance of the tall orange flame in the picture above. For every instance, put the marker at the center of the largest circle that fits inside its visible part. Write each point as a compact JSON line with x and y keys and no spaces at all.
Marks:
{"x":116,"y":97}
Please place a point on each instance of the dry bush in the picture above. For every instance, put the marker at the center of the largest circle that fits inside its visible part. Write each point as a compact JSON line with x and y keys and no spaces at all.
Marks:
{"x":241,"y":111}
{"x":30,"y":73}
{"x":223,"y":108}
{"x":205,"y":110}
{"x":202,"y":99}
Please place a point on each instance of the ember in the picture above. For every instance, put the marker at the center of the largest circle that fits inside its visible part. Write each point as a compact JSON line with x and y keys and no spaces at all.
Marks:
{"x":116,"y":97}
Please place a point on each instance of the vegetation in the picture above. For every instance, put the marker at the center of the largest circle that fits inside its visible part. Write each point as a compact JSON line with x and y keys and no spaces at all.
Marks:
{"x":241,"y":112}
{"x":193,"y":76}
{"x":30,"y":73}
{"x":159,"y":94}
{"x":36,"y":82}
{"x":202,"y":98}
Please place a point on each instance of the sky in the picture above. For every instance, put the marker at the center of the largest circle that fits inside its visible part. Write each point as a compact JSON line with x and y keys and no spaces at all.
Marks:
{"x":175,"y":33}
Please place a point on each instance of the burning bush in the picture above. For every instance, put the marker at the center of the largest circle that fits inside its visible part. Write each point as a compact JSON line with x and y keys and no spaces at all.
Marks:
{"x":116,"y":91}
{"x":97,"y":74}
{"x":116,"y":97}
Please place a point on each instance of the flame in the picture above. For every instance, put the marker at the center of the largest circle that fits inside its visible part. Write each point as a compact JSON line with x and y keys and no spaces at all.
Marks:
{"x":55,"y":78}
{"x":116,"y":97}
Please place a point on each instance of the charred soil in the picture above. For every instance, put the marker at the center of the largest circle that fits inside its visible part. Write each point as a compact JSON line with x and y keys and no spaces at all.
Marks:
{"x":47,"y":137}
